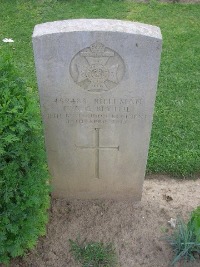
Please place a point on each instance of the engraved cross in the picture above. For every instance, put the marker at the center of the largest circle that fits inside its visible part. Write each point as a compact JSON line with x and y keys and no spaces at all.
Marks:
{"x":97,"y":149}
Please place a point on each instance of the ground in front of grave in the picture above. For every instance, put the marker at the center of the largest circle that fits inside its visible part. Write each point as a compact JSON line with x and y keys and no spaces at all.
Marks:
{"x":135,"y":229}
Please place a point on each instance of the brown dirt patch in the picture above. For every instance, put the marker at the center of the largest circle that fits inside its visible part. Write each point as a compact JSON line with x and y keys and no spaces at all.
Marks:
{"x":134,"y":228}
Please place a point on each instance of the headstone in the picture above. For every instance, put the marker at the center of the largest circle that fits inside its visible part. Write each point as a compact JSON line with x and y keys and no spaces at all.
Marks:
{"x":97,"y":82}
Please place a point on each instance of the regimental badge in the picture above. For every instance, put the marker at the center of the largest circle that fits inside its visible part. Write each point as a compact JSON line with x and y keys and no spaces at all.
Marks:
{"x":97,"y":68}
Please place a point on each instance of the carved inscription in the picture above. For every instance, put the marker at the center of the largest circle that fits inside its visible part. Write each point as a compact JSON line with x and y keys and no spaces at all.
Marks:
{"x":97,"y":148}
{"x":97,"y":68}
{"x":96,"y":111}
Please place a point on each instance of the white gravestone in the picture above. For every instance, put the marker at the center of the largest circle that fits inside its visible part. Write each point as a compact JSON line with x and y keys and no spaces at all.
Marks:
{"x":97,"y":81}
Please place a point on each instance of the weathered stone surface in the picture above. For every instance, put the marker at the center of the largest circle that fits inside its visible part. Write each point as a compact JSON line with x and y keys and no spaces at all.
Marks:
{"x":97,"y":82}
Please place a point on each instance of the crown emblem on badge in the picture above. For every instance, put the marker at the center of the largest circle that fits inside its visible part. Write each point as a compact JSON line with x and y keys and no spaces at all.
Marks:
{"x":97,"y":48}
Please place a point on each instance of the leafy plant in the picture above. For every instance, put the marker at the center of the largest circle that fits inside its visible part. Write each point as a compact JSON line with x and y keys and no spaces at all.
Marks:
{"x":24,"y":192}
{"x":93,"y":254}
{"x":184,"y":242}
{"x":195,"y":220}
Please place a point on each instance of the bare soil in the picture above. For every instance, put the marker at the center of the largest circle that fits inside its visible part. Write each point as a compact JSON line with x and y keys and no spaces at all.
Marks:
{"x":135,"y":229}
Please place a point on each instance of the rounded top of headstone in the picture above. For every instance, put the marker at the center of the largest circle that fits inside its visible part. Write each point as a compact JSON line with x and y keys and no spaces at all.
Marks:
{"x":108,"y":25}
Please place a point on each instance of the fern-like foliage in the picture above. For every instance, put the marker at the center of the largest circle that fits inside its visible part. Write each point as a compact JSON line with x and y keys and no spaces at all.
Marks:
{"x":24,"y":191}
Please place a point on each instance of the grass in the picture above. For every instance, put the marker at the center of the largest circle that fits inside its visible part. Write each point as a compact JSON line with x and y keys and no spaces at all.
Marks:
{"x":184,"y":242}
{"x":94,"y":254}
{"x":175,"y":142}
